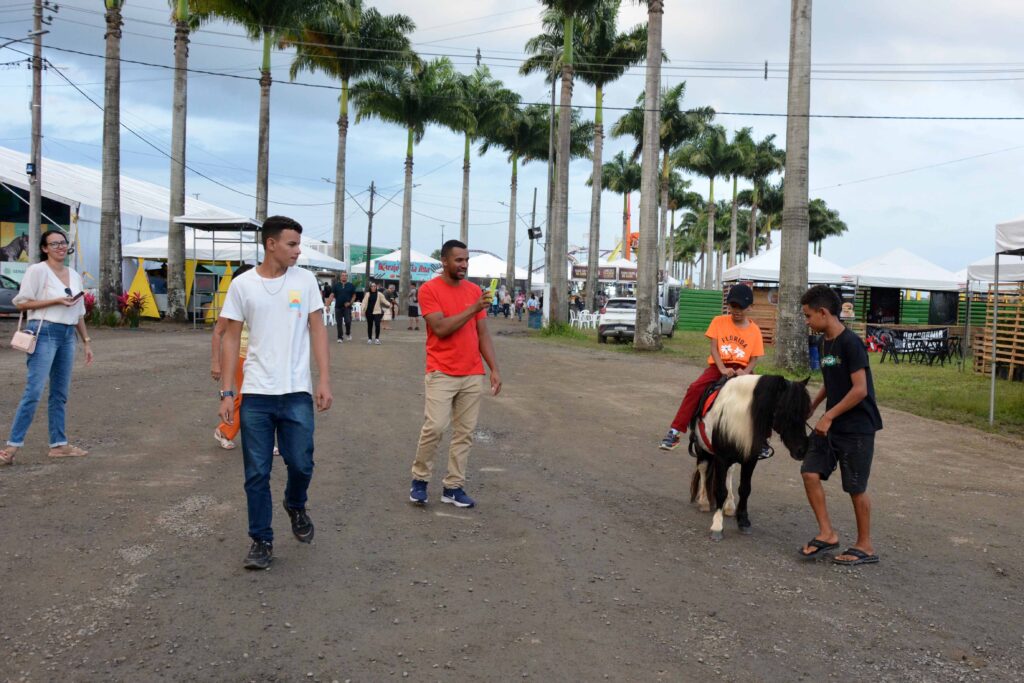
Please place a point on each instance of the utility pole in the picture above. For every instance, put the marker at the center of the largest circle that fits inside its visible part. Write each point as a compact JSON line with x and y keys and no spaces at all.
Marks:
{"x":551,"y":177}
{"x":533,"y":226}
{"x":369,"y":235}
{"x":35,"y":182}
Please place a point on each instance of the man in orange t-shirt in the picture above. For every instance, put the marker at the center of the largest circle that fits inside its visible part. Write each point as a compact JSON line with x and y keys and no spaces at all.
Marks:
{"x":736,"y":344}
{"x":457,"y":344}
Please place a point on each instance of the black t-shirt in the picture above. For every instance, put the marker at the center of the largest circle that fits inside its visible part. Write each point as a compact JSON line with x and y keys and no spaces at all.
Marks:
{"x":343,"y":293}
{"x":840,"y":358}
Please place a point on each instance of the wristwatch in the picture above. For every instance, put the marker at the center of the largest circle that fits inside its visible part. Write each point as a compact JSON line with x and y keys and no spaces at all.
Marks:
{"x":227,"y":394}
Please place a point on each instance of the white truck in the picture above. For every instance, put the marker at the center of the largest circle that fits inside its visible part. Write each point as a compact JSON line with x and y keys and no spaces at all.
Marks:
{"x":618,"y":320}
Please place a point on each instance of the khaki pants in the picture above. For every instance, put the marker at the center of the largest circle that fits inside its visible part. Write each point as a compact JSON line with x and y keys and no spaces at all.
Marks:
{"x":454,"y":400}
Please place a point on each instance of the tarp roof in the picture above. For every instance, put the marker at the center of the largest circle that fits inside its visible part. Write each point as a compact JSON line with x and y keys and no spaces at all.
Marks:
{"x":901,"y":269}
{"x":205,"y":249}
{"x":72,"y":184}
{"x":1011,"y":269}
{"x":765,"y":268}
{"x":396,"y":255}
{"x":490,"y":266}
{"x":1010,"y":238}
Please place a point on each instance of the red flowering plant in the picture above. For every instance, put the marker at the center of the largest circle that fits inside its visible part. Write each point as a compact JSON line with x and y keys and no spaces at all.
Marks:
{"x":130,"y":305}
{"x":90,"y":303}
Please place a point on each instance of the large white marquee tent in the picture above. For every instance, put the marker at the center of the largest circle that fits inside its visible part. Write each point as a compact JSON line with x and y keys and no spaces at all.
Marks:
{"x":765,"y":268}
{"x":901,"y":269}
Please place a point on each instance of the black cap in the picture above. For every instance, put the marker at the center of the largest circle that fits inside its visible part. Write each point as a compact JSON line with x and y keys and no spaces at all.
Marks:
{"x":741,"y":295}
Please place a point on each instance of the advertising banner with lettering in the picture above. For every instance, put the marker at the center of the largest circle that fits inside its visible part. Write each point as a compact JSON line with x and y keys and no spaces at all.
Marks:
{"x":627,"y":274}
{"x":389,"y":270}
{"x":579,"y":272}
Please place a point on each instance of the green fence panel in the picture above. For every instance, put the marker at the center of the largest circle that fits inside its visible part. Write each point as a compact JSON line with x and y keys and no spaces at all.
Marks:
{"x":697,"y":307}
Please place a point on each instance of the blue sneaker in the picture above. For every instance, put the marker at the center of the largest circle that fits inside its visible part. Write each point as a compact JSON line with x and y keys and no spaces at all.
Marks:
{"x":418,"y":492}
{"x":457,"y":497}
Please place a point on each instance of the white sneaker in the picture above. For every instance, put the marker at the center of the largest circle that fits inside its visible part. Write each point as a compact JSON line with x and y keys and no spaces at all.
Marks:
{"x":377,"y":341}
{"x":339,"y":341}
{"x":369,"y":341}
{"x":348,"y":337}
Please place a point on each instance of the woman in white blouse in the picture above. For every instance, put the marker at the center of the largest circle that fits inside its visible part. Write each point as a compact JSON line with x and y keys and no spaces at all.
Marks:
{"x":51,"y":296}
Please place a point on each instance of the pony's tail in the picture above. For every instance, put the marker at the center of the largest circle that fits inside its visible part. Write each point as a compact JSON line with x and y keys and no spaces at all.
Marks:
{"x":694,"y":485}
{"x":711,"y":480}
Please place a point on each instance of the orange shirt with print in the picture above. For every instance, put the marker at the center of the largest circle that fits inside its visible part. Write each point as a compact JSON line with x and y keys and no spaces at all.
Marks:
{"x":736,"y":345}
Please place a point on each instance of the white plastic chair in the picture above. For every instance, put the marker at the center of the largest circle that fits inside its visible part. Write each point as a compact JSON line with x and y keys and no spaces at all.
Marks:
{"x":357,"y":310}
{"x":329,"y":316}
{"x":574,"y":318}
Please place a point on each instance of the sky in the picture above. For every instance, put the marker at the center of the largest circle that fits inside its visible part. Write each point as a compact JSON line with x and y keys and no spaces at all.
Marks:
{"x":936,"y":187}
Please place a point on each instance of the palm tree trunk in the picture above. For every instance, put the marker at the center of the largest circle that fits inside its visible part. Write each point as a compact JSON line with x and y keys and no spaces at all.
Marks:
{"x":791,"y":351}
{"x":557,"y":274}
{"x":263,"y":148}
{"x":464,"y":214}
{"x":404,"y":267}
{"x":648,"y":333}
{"x":552,"y":130}
{"x":709,"y":245}
{"x":625,"y":224}
{"x":338,"y":235}
{"x":593,"y":249}
{"x":719,"y":262}
{"x":510,"y":253}
{"x":663,"y":220}
{"x":110,"y":202}
{"x":752,"y":228}
{"x":176,"y":231}
{"x":732,"y":228}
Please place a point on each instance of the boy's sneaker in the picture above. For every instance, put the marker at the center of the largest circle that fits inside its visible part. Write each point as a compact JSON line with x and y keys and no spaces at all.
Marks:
{"x":766,"y":452}
{"x":457,"y":497}
{"x":671,"y":441}
{"x":302,"y":525}
{"x":418,"y":492}
{"x":261,"y":554}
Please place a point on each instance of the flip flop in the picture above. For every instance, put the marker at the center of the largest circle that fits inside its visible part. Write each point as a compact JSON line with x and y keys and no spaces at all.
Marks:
{"x":225,"y":443}
{"x":71,"y":452}
{"x":820,"y":548}
{"x":862,"y":558}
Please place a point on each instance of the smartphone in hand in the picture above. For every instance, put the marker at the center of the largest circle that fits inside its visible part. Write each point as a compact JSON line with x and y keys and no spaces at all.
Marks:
{"x":78,"y":296}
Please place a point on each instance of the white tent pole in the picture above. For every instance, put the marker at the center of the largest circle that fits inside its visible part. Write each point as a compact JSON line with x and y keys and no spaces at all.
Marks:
{"x":995,"y":321}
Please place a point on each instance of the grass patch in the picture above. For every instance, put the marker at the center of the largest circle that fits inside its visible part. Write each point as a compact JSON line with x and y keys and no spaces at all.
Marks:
{"x":936,"y":392}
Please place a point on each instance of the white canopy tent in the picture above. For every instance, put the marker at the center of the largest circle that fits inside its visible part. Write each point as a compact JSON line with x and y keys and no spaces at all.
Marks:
{"x":484,"y":266}
{"x":1011,"y":269}
{"x":202,"y":247}
{"x":901,"y":269}
{"x":1009,"y":242}
{"x":765,"y":268}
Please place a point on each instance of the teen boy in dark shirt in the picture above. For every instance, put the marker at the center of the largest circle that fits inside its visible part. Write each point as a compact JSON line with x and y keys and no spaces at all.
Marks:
{"x":845,"y":434}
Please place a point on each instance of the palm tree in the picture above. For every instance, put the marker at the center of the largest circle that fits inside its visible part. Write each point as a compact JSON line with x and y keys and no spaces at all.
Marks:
{"x":622,"y":176}
{"x":414,"y":97}
{"x":823,"y":223}
{"x":346,"y":41}
{"x":110,"y":202}
{"x":765,"y":160}
{"x":742,"y":148}
{"x":679,"y":197}
{"x":791,"y":349}
{"x":708,"y":156}
{"x":677,"y":126}
{"x":264,"y":20}
{"x":557,"y":274}
{"x":771,"y":209}
{"x":489,"y":104}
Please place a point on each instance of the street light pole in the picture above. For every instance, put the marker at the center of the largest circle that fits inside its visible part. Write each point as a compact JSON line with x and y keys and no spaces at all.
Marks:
{"x":35,"y":182}
{"x":369,"y":235}
{"x":529,"y":264}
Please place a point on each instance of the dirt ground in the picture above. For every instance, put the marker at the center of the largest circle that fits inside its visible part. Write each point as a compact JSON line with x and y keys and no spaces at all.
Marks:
{"x":583,"y":560}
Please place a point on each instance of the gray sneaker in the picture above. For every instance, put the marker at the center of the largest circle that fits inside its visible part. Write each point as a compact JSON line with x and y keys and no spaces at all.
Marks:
{"x":261,"y":554}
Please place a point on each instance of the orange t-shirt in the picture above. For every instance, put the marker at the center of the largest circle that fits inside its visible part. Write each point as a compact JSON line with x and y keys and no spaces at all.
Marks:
{"x":459,"y":353}
{"x":736,"y":345}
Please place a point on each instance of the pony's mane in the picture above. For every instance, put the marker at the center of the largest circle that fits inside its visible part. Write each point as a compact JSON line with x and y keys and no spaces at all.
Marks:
{"x":794,"y":406}
{"x":767,"y":394}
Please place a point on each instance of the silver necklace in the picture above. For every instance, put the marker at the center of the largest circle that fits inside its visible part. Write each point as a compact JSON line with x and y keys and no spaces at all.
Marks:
{"x":284,"y":281}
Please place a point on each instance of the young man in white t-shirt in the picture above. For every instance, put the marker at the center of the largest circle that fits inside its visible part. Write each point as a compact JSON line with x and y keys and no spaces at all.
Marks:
{"x":281,"y":305}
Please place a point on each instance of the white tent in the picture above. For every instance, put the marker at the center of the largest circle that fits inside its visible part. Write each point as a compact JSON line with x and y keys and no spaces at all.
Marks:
{"x":1011,"y":269}
{"x":387,"y":267}
{"x":900,"y":269}
{"x":1009,"y":242}
{"x":765,"y":268}
{"x":200,"y":246}
{"x":486,"y":266}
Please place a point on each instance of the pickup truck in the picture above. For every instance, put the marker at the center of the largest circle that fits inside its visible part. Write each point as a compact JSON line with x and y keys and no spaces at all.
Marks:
{"x":618,"y":320}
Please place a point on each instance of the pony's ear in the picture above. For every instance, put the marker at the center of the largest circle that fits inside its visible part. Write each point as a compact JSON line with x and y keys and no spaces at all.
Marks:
{"x":804,"y":381}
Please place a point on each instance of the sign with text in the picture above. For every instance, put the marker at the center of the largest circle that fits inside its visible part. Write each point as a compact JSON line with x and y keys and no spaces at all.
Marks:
{"x":389,"y":270}
{"x":627,"y":274}
{"x":579,"y":272}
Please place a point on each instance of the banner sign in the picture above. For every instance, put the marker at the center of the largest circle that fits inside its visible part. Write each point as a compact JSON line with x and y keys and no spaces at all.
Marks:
{"x":606,"y":274}
{"x":904,"y":341}
{"x":389,"y":270}
{"x":579,"y":272}
{"x":627,"y":274}
{"x":14,"y":269}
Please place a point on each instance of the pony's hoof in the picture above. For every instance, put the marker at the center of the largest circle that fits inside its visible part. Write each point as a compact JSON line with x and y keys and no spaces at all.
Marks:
{"x":704,"y":507}
{"x":716,"y":536}
{"x":746,"y":530}
{"x":729,"y":512}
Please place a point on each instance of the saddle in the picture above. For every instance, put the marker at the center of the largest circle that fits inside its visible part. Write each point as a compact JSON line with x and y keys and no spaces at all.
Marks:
{"x":699,"y":436}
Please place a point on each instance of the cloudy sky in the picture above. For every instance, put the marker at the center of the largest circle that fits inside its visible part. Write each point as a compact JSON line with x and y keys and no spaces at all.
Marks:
{"x":934,"y":187}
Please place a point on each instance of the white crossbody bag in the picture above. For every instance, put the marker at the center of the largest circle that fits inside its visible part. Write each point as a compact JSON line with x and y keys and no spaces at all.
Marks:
{"x":25,"y":340}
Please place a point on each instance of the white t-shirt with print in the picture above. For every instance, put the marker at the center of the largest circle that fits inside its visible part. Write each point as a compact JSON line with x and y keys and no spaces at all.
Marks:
{"x":277,"y":312}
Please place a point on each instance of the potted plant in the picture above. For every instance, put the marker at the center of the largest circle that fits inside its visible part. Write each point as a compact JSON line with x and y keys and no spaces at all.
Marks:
{"x":131,"y":307}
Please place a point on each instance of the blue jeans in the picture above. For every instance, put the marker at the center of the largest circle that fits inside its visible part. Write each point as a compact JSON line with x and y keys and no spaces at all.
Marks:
{"x":290,"y":417}
{"x":53,"y":358}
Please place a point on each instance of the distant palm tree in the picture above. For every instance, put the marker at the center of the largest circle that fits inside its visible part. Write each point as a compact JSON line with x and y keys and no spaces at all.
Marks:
{"x":765,"y":160}
{"x":823,"y":223}
{"x":771,"y":202}
{"x":557,"y":274}
{"x":743,"y":149}
{"x":110,"y":202}
{"x":524,"y":138}
{"x":490,"y":104}
{"x":708,"y":156}
{"x":264,"y":20}
{"x":679,"y":197}
{"x":347,"y":40}
{"x":413,"y":97}
{"x":621,"y":175}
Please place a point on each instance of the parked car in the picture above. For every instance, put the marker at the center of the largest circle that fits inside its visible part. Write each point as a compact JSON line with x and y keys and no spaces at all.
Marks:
{"x":618,"y":320}
{"x":8,"y":290}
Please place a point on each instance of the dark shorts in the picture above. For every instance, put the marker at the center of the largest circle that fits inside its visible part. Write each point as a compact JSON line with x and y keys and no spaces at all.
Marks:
{"x":851,"y":452}
{"x":414,"y":311}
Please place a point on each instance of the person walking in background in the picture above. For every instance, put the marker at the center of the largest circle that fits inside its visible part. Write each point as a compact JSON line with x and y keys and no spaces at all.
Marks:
{"x":343,"y":294}
{"x":414,"y":307}
{"x":374,"y":305}
{"x":390,"y":309}
{"x":457,"y":344}
{"x":51,"y":297}
{"x":281,"y":305}
{"x":520,"y":304}
{"x":506,"y":304}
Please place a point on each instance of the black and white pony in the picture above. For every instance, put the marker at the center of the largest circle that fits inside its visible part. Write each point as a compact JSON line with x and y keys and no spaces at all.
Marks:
{"x":14,"y":248}
{"x":731,"y":434}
